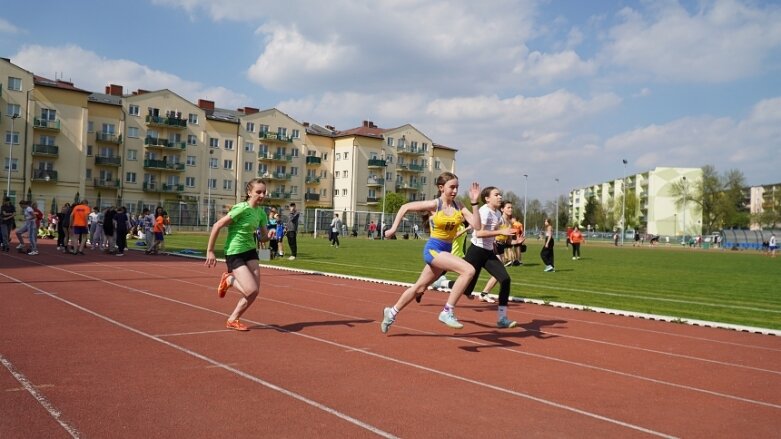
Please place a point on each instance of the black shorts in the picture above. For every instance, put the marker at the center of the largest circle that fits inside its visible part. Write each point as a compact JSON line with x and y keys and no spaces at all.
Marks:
{"x":235,"y":261}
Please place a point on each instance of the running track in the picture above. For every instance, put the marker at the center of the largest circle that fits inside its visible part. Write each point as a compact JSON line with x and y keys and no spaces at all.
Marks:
{"x":97,"y":346}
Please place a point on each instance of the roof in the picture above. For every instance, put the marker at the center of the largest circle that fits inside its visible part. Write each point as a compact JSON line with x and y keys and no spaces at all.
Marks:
{"x":103,"y":98}
{"x":224,"y":115}
{"x":437,"y":145}
{"x":64,"y":85}
{"x":318,"y":130}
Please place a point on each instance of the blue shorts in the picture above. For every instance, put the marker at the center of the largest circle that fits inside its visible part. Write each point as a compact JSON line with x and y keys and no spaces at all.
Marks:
{"x":433,"y":247}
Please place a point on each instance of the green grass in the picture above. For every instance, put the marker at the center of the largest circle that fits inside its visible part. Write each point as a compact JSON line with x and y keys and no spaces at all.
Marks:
{"x":724,"y":286}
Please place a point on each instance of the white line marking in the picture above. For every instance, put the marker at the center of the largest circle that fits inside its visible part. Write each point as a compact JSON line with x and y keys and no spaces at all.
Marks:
{"x":41,"y":398}
{"x":209,"y":360}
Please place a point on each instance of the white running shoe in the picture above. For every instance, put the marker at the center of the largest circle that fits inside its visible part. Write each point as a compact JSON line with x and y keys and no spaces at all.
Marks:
{"x":450,"y":319}
{"x":484,"y":297}
{"x":292,"y":258}
{"x":32,"y":253}
{"x":504,"y":322}
{"x":387,"y":320}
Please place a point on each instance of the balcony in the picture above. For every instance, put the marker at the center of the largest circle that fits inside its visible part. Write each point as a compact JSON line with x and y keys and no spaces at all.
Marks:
{"x":278,"y":195}
{"x":274,"y":137}
{"x":166,"y":122}
{"x":108,"y":184}
{"x":46,"y":150}
{"x":372,"y":200}
{"x":108,"y":161}
{"x":311,"y":197}
{"x":313,"y":161}
{"x":408,"y":186}
{"x":377,"y":163}
{"x":277,"y":157}
{"x":275,"y":176}
{"x":45,"y":124}
{"x":158,"y":143}
{"x":410,"y":168}
{"x":312,"y":180}
{"x":44,"y":175}
{"x":150,"y":187}
{"x":406,"y":150}
{"x":108,"y":138}
{"x":163,"y":165}
{"x":172,"y":188}
{"x":375,"y":181}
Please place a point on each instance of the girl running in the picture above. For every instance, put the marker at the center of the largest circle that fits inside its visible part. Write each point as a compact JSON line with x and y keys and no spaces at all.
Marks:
{"x":241,"y":255}
{"x":445,"y":216}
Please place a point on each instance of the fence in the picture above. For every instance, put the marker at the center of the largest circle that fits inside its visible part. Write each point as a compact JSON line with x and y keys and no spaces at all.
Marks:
{"x":318,"y":222}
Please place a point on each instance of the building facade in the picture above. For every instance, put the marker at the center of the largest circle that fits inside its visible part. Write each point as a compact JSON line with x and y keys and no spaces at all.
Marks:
{"x":155,"y":148}
{"x":657,"y":212}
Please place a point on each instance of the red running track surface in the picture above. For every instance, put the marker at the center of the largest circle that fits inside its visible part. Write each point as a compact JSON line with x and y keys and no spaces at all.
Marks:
{"x":100,"y":346}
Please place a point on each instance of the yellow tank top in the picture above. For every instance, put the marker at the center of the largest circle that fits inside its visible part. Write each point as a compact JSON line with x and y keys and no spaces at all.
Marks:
{"x":445,"y":227}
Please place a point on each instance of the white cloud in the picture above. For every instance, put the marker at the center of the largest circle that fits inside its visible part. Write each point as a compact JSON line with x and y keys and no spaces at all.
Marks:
{"x":92,"y":72}
{"x":7,"y":27}
{"x":723,"y":41}
{"x":550,"y":68}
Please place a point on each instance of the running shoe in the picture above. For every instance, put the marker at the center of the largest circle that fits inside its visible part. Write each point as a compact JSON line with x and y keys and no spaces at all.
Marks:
{"x":484,"y":297}
{"x":387,"y":320}
{"x":448,"y":318}
{"x":236,"y":325}
{"x":418,"y":297}
{"x":548,"y":269}
{"x":20,"y":247}
{"x":504,"y":322}
{"x":32,"y":253}
{"x":224,"y":285}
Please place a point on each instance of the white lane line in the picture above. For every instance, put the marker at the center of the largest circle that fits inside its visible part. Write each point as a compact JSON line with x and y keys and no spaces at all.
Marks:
{"x":202,"y":357}
{"x":40,"y":397}
{"x":342,"y":347}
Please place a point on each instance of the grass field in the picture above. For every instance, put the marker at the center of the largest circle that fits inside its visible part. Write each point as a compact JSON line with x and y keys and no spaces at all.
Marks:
{"x":724,"y":286}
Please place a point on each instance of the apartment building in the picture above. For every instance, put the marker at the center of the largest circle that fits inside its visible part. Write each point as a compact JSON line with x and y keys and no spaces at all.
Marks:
{"x":760,"y":199}
{"x":656,"y":213}
{"x":155,"y":148}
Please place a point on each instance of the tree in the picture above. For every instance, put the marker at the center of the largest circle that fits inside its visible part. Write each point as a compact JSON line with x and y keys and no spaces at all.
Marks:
{"x":732,"y":205}
{"x":630,"y":209}
{"x":535,"y":216}
{"x":706,"y":195}
{"x":393,"y":202}
{"x":564,"y":219}
{"x":591,"y":212}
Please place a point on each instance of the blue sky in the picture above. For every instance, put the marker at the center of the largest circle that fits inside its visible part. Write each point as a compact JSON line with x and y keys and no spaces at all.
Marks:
{"x":553,"y":89}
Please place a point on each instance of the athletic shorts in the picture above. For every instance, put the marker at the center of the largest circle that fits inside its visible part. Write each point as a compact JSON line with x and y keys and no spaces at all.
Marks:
{"x":159,"y":236}
{"x":235,"y":261}
{"x":433,"y":247}
{"x":80,"y":230}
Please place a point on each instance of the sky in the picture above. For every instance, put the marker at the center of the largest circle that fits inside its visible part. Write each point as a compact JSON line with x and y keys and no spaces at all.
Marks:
{"x":557,"y":90}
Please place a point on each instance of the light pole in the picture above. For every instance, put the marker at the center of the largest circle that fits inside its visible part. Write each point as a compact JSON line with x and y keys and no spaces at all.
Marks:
{"x":382,"y":216}
{"x":525,"y":196}
{"x":10,"y":149}
{"x":623,"y":204}
{"x":209,"y":199}
{"x":557,"y":209}
{"x":685,"y":192}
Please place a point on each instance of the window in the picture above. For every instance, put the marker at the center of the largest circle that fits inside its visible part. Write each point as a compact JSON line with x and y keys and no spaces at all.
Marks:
{"x":89,"y":150}
{"x":212,"y":183}
{"x":213,"y":162}
{"x":336,"y":193}
{"x":13,"y":109}
{"x":14,"y":164}
{"x":130,"y":177}
{"x":48,"y":114}
{"x":12,"y":136}
{"x":108,"y":128}
{"x":389,"y":158}
{"x":437,"y":165}
{"x":132,"y":154}
{"x":262,"y":129}
{"x":325,"y":156}
{"x":389,"y":140}
{"x":189,"y":181}
{"x":228,"y":144}
{"x":345,"y":155}
{"x":251,"y":127}
{"x":190,"y":160}
{"x":227,"y":164}
{"x":89,"y":174}
{"x":281,"y":132}
{"x":345,"y":174}
{"x":249,"y":166}
{"x":249,"y":146}
{"x":90,"y":126}
{"x":214,"y":143}
{"x":293,"y":190}
{"x":193,"y":119}
{"x":227,"y":184}
{"x":295,"y":152}
{"x":424,"y":148}
{"x":293,"y":170}
{"x":132,"y":132}
{"x":133,"y":110}
{"x":344,"y":192}
{"x":338,"y":156}
{"x":336,"y":174}
{"x":14,"y":84}
{"x":295,"y":134}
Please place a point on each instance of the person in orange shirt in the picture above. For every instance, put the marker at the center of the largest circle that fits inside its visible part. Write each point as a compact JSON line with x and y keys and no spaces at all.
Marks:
{"x":517,"y":242}
{"x":576,"y":238}
{"x":79,"y":215}
{"x":159,"y":231}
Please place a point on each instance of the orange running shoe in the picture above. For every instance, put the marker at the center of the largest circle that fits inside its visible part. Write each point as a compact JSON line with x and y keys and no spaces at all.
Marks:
{"x":236,"y":325}
{"x":224,"y":285}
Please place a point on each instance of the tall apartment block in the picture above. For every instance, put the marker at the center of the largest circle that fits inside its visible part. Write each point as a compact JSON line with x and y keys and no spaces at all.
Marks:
{"x":149,"y":148}
{"x":657,"y":211}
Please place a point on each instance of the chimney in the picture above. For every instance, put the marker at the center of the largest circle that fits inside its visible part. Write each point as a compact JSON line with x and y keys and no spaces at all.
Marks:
{"x":365,"y":123}
{"x":250,"y":110}
{"x":205,"y":105}
{"x":305,"y":124}
{"x":372,"y":125}
{"x":330,"y":127}
{"x":114,"y":90}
